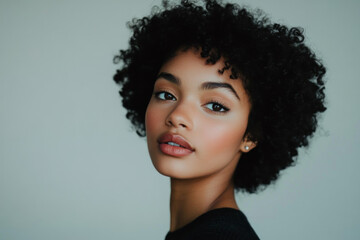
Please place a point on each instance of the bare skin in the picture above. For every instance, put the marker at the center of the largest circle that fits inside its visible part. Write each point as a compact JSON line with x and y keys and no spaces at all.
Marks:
{"x":209,"y":111}
{"x":192,"y":198}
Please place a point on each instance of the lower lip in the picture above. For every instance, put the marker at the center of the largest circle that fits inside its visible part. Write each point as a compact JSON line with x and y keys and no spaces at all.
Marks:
{"x":174,"y":150}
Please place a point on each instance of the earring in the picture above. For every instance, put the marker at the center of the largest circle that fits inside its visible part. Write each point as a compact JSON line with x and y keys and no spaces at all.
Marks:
{"x":246,"y":148}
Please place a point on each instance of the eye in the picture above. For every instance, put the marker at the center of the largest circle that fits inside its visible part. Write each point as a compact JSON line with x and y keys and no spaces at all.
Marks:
{"x":165,"y":96}
{"x":216,"y":107}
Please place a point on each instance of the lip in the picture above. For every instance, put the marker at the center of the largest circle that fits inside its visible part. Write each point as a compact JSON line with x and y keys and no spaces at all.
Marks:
{"x":176,"y":151}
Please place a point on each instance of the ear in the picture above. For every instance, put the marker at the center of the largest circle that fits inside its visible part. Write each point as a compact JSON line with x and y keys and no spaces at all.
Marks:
{"x":247,"y":145}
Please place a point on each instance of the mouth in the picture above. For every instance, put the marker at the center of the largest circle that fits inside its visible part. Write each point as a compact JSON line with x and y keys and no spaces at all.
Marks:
{"x":174,"y":145}
{"x":175,"y":140}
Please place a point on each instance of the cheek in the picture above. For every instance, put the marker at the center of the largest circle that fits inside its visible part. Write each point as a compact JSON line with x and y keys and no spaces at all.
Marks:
{"x":152,"y":119}
{"x":224,"y":137}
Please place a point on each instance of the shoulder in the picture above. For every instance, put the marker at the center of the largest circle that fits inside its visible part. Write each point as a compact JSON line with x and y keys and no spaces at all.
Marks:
{"x":229,"y":223}
{"x":221,"y":223}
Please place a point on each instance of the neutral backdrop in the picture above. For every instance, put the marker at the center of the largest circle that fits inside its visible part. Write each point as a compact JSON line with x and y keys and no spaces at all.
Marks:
{"x":72,"y":168}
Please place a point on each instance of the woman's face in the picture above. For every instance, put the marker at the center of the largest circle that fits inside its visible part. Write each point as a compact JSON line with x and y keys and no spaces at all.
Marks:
{"x":196,"y":118}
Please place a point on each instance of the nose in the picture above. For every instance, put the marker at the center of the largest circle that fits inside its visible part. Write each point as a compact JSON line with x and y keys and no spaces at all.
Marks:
{"x":180,"y":116}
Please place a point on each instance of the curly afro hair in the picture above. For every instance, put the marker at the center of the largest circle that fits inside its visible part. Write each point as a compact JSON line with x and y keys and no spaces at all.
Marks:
{"x":282,"y":76}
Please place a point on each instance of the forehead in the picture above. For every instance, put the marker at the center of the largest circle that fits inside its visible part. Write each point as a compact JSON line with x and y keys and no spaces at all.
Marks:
{"x":190,"y":68}
{"x":189,"y":63}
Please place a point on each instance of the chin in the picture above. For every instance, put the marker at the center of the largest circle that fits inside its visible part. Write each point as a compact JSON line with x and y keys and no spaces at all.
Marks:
{"x":172,"y":169}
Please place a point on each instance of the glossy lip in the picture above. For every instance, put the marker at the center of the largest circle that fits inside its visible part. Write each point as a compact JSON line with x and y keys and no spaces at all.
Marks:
{"x":171,"y":150}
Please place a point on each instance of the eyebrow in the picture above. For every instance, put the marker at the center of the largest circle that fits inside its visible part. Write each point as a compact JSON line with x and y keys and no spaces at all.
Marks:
{"x":169,"y":77}
{"x":213,"y":85}
{"x":204,"y":86}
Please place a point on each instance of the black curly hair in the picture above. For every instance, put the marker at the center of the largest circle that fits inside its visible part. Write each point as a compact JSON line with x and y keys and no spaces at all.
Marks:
{"x":282,"y":76}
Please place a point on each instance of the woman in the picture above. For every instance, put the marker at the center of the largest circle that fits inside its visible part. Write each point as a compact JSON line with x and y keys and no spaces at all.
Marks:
{"x":225,"y":99}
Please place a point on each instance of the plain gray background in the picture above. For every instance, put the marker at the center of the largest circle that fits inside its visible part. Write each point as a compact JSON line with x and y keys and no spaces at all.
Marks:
{"x":72,"y":168}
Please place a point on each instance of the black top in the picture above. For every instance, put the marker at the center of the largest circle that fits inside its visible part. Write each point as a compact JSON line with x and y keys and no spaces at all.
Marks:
{"x":216,"y":224}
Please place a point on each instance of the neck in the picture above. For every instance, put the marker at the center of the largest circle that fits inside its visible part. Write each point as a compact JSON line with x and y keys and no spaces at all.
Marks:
{"x":191,"y":198}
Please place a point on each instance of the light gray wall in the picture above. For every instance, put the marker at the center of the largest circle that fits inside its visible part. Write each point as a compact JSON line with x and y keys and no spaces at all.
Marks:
{"x":71,"y":168}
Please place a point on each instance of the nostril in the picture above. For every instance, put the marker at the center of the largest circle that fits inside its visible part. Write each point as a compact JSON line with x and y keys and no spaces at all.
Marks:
{"x":175,"y":124}
{"x":169,"y":122}
{"x":178,"y":118}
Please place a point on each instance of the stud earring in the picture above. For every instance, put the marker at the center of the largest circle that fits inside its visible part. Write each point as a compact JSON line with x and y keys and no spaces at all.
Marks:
{"x":246,"y":148}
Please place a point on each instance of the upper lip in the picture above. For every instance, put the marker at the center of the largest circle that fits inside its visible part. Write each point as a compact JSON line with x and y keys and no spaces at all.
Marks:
{"x":178,"y":139}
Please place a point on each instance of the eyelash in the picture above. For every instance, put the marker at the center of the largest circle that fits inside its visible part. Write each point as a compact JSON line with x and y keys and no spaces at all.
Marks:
{"x":224,"y":109}
{"x":157,"y":94}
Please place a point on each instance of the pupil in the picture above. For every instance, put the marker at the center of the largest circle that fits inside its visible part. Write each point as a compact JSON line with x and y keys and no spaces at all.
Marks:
{"x":216,"y":107}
